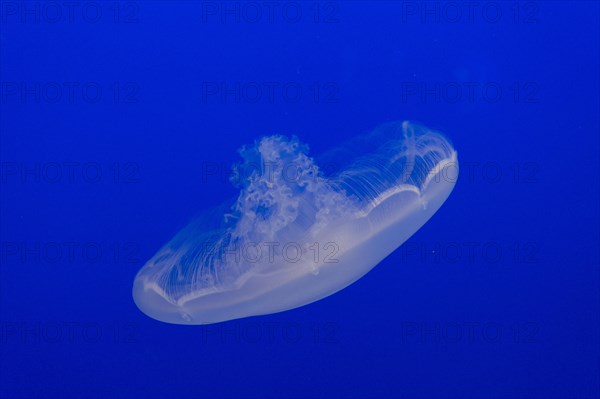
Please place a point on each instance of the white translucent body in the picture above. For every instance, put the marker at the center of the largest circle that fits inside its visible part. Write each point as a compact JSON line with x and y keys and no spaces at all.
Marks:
{"x":386,"y":186}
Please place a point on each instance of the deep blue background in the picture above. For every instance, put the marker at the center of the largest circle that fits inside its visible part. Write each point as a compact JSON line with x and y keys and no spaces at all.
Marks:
{"x":514,"y":251}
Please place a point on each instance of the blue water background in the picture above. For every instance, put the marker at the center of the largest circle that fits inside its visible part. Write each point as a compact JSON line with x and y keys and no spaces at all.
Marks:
{"x":497,"y":296}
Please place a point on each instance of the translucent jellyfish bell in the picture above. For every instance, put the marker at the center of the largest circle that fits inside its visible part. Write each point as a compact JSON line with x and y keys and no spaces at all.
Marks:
{"x":298,"y":232}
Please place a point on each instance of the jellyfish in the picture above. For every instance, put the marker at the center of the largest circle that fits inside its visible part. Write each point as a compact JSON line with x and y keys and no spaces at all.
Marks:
{"x":301,"y":227}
